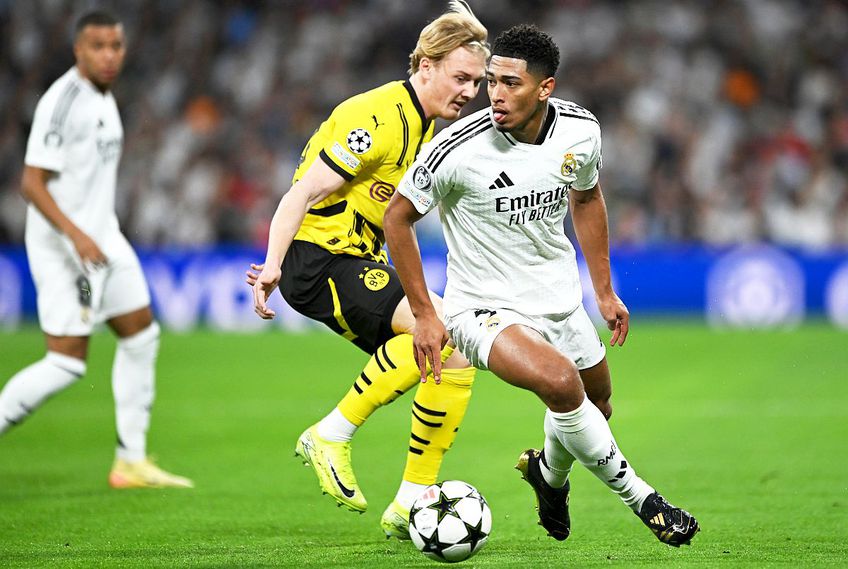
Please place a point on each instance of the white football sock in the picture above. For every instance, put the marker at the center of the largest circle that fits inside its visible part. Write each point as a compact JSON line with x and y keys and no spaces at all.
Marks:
{"x":31,"y":386}
{"x":336,"y":428}
{"x":408,"y":493}
{"x":586,"y":435}
{"x":556,"y":461}
{"x":133,"y":386}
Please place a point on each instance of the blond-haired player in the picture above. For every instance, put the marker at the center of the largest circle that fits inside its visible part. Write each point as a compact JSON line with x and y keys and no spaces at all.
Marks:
{"x":325,"y":252}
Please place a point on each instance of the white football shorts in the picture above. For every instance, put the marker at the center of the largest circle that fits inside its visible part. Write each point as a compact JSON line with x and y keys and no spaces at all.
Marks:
{"x":573,"y":334}
{"x":70,"y":302}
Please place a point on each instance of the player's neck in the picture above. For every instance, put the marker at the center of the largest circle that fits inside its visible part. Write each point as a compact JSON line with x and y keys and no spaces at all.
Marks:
{"x":530,"y":131}
{"x":102,"y":89}
{"x":420,"y":91}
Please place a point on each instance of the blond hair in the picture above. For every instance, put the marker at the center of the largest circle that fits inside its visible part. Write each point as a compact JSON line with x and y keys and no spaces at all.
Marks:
{"x":458,"y":27}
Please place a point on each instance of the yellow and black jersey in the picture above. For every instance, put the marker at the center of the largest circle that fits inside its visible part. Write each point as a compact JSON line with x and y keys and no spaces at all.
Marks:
{"x":370,"y":140}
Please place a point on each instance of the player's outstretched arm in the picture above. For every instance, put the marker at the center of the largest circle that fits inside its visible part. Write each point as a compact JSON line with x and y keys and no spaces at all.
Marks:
{"x":430,"y":335}
{"x":589,"y":212}
{"x":318,"y":183}
{"x":34,"y":190}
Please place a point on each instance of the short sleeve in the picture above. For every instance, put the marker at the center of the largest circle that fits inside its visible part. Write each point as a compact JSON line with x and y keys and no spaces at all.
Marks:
{"x":49,"y":136}
{"x":424,"y":186}
{"x":588,"y":173}
{"x":353,"y":143}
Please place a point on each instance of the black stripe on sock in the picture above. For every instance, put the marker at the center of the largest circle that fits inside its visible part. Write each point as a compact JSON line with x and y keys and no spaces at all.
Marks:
{"x":76,"y":374}
{"x":379,"y":363}
{"x":398,"y":391}
{"x":423,"y":422}
{"x":365,"y":378}
{"x":414,"y":450}
{"x":429,"y":411}
{"x":418,"y":439}
{"x":357,"y":388}
{"x":386,"y":357}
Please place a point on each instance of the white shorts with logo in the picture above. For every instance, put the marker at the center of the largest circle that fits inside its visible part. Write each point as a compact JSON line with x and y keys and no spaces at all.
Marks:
{"x":65,"y":308}
{"x":573,"y":334}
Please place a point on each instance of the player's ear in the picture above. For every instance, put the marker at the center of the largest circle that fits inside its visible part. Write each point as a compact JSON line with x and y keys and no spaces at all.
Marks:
{"x":425,"y":66}
{"x":546,"y":88}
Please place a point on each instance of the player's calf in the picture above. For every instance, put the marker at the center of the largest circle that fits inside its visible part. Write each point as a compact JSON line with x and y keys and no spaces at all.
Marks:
{"x":33,"y":385}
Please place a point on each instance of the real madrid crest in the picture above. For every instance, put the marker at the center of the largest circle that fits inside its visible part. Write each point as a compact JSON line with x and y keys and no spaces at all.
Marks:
{"x":569,"y":164}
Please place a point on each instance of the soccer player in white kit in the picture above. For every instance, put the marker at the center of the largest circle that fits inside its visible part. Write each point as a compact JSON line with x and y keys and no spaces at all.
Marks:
{"x":504,"y":179}
{"x":85,"y":271}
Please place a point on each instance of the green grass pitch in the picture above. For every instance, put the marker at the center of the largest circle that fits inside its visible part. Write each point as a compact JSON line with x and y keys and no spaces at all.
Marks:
{"x":746,"y":430}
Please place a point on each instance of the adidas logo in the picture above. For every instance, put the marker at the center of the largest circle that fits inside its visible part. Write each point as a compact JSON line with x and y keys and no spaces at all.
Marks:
{"x":502,"y":181}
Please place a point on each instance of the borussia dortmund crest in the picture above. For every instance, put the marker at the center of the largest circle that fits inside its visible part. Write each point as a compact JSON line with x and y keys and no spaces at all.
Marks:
{"x":375,"y":279}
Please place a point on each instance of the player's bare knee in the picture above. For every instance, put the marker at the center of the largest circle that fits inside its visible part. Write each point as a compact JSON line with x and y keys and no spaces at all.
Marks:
{"x":561,"y":390}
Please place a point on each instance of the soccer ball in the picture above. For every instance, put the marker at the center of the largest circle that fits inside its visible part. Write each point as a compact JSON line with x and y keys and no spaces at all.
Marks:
{"x":450,"y":521}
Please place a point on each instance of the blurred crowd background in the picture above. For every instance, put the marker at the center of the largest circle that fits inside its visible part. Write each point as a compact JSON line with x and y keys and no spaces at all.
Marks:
{"x":724,"y":121}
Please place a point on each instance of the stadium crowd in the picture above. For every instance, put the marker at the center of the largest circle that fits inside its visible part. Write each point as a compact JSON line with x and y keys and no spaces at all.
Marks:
{"x":724,"y":121}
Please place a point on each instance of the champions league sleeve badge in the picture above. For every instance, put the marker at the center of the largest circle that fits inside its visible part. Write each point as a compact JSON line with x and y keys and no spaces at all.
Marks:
{"x":422,"y":178}
{"x":53,"y":139}
{"x":359,"y":141}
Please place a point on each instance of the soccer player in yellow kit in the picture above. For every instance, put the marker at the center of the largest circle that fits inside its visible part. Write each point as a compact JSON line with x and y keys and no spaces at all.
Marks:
{"x":325,"y":254}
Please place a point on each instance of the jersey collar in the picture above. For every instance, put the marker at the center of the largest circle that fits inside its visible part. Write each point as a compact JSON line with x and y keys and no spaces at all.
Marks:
{"x":545,"y":132}
{"x":87,"y":83}
{"x":417,"y":104}
{"x":550,"y":118}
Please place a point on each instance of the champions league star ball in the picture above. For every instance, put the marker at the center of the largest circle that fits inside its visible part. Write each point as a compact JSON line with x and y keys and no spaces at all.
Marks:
{"x":450,"y":521}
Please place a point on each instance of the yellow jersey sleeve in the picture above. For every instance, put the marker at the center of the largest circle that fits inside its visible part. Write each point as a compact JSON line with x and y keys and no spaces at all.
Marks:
{"x":369,"y":140}
{"x":353,"y":142}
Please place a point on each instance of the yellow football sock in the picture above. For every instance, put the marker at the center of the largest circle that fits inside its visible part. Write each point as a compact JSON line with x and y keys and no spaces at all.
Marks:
{"x":389,"y":373}
{"x":437,"y":412}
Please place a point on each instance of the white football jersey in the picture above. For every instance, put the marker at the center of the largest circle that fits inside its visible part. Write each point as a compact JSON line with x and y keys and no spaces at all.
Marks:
{"x":76,"y":133}
{"x":502,"y":204}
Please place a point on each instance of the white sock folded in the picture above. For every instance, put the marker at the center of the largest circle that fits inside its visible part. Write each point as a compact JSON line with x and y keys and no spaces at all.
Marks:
{"x":335,"y":427}
{"x":586,"y":435}
{"x":34,"y":384}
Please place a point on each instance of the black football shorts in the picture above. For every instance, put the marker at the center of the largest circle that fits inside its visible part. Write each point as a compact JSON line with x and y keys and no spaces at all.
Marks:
{"x":356,"y":298}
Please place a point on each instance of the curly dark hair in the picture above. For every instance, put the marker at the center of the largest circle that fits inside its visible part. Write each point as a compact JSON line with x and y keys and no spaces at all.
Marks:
{"x":531,"y":44}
